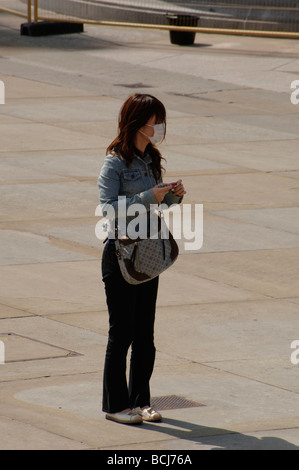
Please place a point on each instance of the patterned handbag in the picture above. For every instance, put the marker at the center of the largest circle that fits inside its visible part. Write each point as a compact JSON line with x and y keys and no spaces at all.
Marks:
{"x":143,"y":259}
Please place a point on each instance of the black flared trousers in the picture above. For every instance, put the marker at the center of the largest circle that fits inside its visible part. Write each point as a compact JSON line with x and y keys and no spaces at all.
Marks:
{"x":131,"y":323}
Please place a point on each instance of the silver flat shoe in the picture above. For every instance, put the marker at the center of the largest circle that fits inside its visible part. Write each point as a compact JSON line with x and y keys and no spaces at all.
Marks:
{"x":148,"y":414}
{"x":129,"y":417}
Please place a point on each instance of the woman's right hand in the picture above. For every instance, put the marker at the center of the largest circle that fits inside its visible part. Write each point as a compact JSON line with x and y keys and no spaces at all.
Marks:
{"x":160,"y":191}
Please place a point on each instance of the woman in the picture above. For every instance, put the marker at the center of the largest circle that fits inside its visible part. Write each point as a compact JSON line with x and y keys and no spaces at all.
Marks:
{"x":132,"y":168}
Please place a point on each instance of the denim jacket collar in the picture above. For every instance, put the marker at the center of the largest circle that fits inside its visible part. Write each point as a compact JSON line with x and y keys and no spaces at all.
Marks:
{"x":146,"y":159}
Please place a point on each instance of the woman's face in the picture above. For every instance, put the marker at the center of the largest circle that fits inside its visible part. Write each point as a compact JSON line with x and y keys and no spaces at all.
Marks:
{"x":148,"y":129}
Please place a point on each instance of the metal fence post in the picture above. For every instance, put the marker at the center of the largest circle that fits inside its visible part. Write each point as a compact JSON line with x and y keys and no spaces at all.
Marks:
{"x":29,"y":11}
{"x":35,"y":11}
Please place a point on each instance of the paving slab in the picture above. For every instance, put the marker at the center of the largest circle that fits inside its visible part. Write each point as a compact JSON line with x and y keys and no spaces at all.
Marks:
{"x":276,"y":155}
{"x":290,"y":174}
{"x":38,"y":136}
{"x":25,"y":286}
{"x":251,"y":190}
{"x":28,"y":437}
{"x":229,"y":441}
{"x":227,"y":314}
{"x":28,"y":248}
{"x":7,"y":312}
{"x":268,"y":272}
{"x":285,"y":219}
{"x":21,"y":166}
{"x":222,"y":235}
{"x":66,"y":194}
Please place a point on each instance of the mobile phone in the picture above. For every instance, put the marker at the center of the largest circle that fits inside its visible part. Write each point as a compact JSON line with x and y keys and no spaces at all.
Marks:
{"x":169,"y":184}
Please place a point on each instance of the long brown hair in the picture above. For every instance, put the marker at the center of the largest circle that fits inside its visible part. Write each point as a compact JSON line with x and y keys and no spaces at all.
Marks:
{"x":134,"y":114}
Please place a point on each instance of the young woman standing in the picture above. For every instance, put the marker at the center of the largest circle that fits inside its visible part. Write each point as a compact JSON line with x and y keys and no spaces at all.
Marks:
{"x":132,"y":168}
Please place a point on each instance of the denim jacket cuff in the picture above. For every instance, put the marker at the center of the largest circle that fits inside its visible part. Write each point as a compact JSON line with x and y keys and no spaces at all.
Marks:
{"x":147,"y":197}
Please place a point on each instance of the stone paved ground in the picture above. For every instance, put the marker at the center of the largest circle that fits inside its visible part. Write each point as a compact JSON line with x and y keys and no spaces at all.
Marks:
{"x":226,"y":314}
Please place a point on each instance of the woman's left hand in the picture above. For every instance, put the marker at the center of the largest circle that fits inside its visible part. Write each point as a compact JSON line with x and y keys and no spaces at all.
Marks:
{"x":179,"y":189}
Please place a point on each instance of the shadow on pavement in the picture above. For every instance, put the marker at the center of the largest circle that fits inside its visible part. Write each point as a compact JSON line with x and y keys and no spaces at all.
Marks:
{"x":222,"y":439}
{"x":78,"y":41}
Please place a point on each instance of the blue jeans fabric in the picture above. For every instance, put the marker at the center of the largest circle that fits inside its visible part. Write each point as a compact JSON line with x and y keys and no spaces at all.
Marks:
{"x":131,"y":323}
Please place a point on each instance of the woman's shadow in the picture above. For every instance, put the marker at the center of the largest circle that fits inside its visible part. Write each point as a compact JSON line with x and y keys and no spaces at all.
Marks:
{"x":222,"y":439}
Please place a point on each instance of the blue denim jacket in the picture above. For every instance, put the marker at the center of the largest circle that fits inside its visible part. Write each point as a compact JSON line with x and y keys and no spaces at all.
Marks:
{"x":136,"y":183}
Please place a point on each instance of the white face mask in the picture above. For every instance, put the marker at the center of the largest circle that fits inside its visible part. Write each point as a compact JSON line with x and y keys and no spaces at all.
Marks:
{"x":159,"y":131}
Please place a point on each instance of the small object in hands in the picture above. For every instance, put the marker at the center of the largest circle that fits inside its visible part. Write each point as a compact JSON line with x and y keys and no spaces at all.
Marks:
{"x":171,"y":185}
